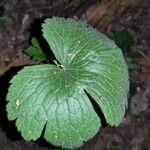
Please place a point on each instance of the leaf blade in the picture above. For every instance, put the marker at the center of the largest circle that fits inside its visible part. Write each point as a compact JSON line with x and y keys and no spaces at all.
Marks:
{"x":32,"y":115}
{"x":89,"y":62}
{"x":93,"y":53}
{"x":35,"y":51}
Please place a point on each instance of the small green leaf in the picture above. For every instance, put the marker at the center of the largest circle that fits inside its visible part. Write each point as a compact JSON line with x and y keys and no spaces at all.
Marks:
{"x":2,"y":22}
{"x":132,"y":65}
{"x":55,"y":97}
{"x":123,"y":39}
{"x":67,"y":1}
{"x":35,"y":51}
{"x":35,"y":43}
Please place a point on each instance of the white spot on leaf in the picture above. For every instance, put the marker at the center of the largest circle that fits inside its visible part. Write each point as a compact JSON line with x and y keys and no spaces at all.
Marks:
{"x":17,"y":104}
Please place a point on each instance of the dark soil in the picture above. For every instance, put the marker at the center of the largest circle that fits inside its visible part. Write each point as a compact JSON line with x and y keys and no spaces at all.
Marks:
{"x":23,"y":20}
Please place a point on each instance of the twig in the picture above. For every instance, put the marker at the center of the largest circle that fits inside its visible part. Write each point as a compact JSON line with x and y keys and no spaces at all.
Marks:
{"x":144,"y":56}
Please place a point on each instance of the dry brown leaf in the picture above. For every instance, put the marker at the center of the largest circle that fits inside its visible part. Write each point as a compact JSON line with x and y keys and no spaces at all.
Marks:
{"x":20,"y":60}
{"x":103,"y":13}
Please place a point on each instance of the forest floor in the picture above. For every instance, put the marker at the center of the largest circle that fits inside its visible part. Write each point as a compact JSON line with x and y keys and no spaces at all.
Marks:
{"x":22,"y":19}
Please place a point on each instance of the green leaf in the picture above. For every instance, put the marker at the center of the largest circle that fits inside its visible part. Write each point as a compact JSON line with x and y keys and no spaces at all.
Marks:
{"x":35,"y":51}
{"x":46,"y":93}
{"x":2,"y":22}
{"x":132,"y":65}
{"x":123,"y":39}
{"x":55,"y":96}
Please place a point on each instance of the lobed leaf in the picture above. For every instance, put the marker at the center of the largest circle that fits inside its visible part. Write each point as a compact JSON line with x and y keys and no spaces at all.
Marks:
{"x":35,"y":51}
{"x":55,"y":97}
